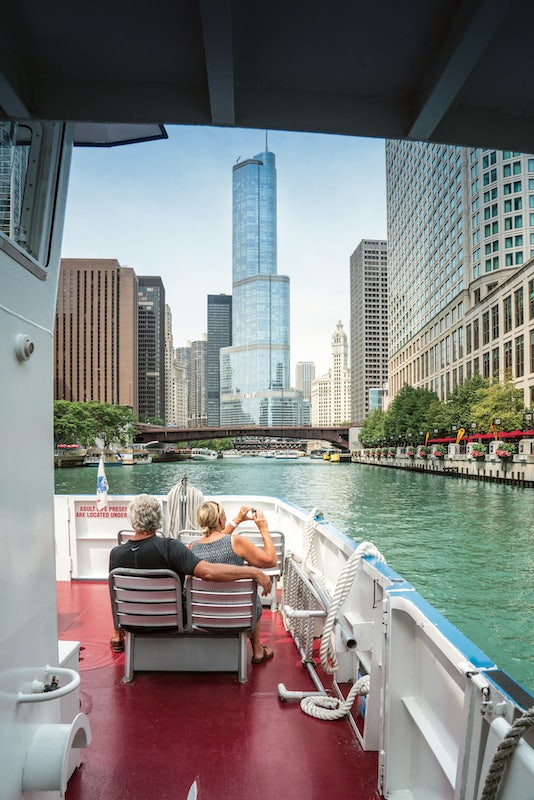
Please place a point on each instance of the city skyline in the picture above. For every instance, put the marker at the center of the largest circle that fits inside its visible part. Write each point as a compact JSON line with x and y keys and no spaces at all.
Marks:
{"x":165,"y":208}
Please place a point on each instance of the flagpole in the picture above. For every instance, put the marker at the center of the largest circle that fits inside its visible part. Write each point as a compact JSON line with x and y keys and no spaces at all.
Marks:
{"x":101,"y":486}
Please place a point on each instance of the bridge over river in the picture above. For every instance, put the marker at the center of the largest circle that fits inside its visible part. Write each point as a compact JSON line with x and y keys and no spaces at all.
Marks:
{"x":337,"y":436}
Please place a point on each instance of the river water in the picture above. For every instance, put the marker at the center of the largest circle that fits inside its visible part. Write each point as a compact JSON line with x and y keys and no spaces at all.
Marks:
{"x":466,"y":546}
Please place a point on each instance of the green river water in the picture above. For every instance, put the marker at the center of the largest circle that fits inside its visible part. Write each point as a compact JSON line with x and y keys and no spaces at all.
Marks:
{"x":467,"y":547}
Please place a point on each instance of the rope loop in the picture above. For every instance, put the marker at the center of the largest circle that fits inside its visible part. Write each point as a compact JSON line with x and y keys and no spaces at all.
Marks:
{"x":330,"y":708}
{"x":504,"y":753}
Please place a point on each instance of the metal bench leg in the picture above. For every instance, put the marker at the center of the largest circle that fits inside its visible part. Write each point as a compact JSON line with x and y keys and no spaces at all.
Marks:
{"x":128,"y":657}
{"x":242,"y":672}
{"x":274,"y":601}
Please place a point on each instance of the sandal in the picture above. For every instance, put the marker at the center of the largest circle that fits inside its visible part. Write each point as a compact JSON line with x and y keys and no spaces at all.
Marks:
{"x":117,"y":645}
{"x":265,"y":657}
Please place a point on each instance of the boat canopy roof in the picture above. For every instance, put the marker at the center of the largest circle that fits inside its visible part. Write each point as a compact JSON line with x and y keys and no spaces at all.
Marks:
{"x":432,"y":70}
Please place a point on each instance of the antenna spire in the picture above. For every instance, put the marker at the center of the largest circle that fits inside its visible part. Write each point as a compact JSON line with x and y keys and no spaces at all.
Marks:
{"x":266,"y":141}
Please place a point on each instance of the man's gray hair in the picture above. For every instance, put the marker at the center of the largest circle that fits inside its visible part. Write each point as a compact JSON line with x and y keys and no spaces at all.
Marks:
{"x":145,"y":513}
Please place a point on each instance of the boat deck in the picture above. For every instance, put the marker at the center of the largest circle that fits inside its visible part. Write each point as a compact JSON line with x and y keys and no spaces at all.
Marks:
{"x":153,"y":737}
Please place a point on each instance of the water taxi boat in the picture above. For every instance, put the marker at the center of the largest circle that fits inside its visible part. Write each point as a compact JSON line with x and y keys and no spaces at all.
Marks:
{"x":112,"y":458}
{"x":203,"y":454}
{"x":136,"y":454}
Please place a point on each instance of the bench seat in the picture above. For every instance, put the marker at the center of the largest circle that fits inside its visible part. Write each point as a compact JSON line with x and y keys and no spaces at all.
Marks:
{"x":204,"y":628}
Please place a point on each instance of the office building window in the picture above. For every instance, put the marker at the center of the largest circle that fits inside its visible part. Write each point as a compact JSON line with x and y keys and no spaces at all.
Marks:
{"x":519,"y":356}
{"x":495,"y":322}
{"x":485,"y":328}
{"x":485,"y":365}
{"x":507,"y":357}
{"x":518,"y":305}
{"x":507,"y":313}
{"x":495,"y":362}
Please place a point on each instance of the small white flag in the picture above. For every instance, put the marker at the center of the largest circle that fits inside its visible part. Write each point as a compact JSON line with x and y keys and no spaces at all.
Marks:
{"x":101,"y":486}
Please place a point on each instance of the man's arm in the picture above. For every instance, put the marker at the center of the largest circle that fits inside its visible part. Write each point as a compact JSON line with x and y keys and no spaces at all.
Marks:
{"x":229,"y":572}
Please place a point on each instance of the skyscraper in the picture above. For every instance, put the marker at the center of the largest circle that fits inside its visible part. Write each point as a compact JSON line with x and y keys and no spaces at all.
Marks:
{"x":95,"y":334}
{"x":255,"y":369}
{"x":219,"y":336}
{"x":198,"y":393}
{"x":304,"y":376}
{"x":368,"y":324}
{"x":460,"y":248}
{"x":330,"y":394}
{"x":151,"y":348}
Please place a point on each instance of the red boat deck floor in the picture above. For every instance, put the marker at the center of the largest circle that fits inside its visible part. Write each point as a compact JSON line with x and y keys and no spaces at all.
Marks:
{"x":153,"y":737}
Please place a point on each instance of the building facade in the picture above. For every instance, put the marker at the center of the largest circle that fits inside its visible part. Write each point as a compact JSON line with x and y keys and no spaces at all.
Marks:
{"x":95,"y":336}
{"x":151,"y":300}
{"x":368,"y":324}
{"x":461,"y":278}
{"x":304,"y":377}
{"x":330,"y":395}
{"x":255,"y":369}
{"x":198,"y":384}
{"x":219,"y":336}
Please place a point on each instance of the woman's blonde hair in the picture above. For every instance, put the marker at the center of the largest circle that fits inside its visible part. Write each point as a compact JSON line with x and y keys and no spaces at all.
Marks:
{"x":208,"y":516}
{"x":145,"y":513}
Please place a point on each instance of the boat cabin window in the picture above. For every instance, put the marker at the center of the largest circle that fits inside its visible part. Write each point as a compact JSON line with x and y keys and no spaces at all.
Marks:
{"x":29,"y":169}
{"x":14,"y":154}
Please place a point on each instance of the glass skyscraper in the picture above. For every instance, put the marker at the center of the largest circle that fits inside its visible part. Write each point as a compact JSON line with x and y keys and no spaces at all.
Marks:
{"x":255,"y":369}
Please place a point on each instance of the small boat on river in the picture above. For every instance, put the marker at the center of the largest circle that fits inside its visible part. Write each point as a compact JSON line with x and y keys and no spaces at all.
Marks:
{"x":203,"y":454}
{"x":112,"y":458}
{"x":136,"y":454}
{"x":287,"y":455}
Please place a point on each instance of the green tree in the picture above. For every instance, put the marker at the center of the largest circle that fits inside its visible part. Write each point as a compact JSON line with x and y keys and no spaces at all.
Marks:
{"x":457,"y":408}
{"x":72,"y":423}
{"x":499,"y":401}
{"x":111,"y":423}
{"x":372,"y":430}
{"x":409,"y":412}
{"x":85,"y":422}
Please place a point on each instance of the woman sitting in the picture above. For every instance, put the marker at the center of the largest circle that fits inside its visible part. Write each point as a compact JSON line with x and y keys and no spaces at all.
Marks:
{"x":221,"y":544}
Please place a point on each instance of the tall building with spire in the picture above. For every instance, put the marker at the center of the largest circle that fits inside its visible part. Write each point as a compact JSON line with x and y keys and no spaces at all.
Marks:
{"x":331,"y":394}
{"x":255,"y":385}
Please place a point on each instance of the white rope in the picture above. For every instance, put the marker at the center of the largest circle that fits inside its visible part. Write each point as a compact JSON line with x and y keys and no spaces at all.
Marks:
{"x":330,"y":708}
{"x":310,"y":553}
{"x":324,"y":707}
{"x":504,"y":753}
{"x":327,"y":653}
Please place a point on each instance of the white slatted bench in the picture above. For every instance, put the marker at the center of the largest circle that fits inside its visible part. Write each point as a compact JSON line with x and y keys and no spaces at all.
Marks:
{"x":271,"y":600}
{"x":207,"y":632}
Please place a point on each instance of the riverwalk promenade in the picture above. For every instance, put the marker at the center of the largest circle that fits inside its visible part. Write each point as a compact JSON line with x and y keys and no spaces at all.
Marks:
{"x":461,"y":461}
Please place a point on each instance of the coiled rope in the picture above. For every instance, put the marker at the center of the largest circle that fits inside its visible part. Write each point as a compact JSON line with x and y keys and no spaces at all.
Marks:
{"x":324,"y":707}
{"x":504,"y":753}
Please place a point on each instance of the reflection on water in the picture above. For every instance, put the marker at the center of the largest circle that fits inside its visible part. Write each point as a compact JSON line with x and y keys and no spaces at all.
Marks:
{"x":466,"y":546}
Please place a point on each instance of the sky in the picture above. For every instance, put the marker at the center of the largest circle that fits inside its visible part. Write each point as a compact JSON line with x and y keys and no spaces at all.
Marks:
{"x":165,"y":208}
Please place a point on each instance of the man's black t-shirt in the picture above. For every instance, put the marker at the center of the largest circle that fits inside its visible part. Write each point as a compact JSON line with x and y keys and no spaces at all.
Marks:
{"x":155,"y":552}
